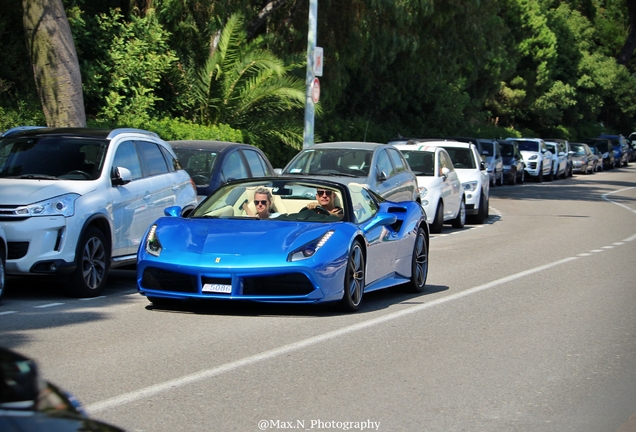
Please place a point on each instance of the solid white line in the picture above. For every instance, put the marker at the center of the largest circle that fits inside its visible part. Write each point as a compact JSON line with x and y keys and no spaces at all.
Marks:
{"x":48,"y":305}
{"x":286,"y":349}
{"x":8,"y":312}
{"x":604,"y":196}
{"x":92,"y":298}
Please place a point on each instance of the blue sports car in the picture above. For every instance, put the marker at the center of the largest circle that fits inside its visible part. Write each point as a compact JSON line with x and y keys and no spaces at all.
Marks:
{"x":285,"y":240}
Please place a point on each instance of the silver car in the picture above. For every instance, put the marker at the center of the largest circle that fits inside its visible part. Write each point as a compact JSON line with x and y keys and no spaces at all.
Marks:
{"x":379,"y":167}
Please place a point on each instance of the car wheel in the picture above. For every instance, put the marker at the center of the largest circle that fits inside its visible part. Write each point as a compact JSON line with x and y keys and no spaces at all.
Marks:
{"x":482,"y":211}
{"x":2,"y":276}
{"x":513,"y":177}
{"x":354,"y":279}
{"x":93,"y":261}
{"x":438,"y":222}
{"x":551,"y":175}
{"x":419,"y":263}
{"x":460,"y":219}
{"x":499,"y":180}
{"x":522,"y":178}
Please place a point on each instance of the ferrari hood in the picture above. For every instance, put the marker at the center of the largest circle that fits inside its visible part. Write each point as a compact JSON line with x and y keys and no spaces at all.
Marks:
{"x":236,"y":237}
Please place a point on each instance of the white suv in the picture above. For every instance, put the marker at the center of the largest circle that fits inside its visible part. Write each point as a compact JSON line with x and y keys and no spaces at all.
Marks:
{"x":76,"y":202}
{"x":472,"y":173}
{"x":537,"y":157}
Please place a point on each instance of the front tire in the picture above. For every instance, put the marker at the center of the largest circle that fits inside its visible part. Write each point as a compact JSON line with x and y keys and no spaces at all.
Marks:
{"x":522,"y":178}
{"x":93,"y":261}
{"x":419,"y":263}
{"x":438,"y":222}
{"x":460,"y":219}
{"x":354,"y":279}
{"x":482,"y":211}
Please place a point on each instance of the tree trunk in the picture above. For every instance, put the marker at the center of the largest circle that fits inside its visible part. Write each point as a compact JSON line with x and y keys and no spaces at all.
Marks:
{"x":54,"y":60}
{"x":260,"y":18}
{"x":630,"y":43}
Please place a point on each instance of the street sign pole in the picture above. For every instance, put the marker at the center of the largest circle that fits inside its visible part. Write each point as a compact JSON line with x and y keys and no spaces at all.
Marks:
{"x":308,"y":135}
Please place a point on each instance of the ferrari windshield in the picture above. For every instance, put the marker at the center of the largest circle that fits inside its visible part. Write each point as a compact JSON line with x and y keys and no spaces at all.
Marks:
{"x":52,"y":158}
{"x":296,"y":200}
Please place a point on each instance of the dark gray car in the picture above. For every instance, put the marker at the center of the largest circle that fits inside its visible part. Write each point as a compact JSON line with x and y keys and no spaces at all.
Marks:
{"x":211,"y":164}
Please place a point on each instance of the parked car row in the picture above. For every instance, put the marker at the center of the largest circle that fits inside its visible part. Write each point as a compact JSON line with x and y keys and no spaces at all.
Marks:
{"x":77,"y":202}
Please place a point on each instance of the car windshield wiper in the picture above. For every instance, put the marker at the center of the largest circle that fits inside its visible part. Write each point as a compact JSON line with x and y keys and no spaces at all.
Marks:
{"x":37,"y":177}
{"x":340,"y":174}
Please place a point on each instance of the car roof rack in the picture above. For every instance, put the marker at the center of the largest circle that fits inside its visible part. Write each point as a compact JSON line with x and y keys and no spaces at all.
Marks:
{"x":17,"y":129}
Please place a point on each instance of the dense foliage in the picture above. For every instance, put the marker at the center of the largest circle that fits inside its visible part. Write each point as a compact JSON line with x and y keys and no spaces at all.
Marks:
{"x":234,"y":69}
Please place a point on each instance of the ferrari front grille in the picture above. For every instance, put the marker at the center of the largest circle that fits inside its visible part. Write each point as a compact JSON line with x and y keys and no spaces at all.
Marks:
{"x":163,"y":280}
{"x":293,"y":284}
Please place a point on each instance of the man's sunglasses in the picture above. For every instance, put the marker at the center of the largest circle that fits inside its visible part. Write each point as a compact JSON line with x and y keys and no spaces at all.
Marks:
{"x":263,"y":202}
{"x":324,"y":192}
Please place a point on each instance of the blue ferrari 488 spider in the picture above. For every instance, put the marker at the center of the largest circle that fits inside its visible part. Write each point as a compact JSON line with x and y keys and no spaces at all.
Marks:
{"x":285,"y":240}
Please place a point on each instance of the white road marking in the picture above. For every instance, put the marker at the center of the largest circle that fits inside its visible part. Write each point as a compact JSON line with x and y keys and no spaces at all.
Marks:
{"x":305,"y":343}
{"x":8,"y":312}
{"x":286,"y":349}
{"x":48,"y":305}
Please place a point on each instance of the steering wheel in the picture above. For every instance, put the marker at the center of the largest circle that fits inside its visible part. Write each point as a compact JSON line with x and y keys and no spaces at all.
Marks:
{"x":80,"y":172}
{"x":321,"y":210}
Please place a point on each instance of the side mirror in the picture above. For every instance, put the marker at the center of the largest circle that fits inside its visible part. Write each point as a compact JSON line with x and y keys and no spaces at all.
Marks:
{"x":172,"y":211}
{"x":482,"y":166}
{"x":120,"y":176}
{"x":278,"y":171}
{"x":381,"y":176}
{"x":445,"y":172}
{"x":381,"y":219}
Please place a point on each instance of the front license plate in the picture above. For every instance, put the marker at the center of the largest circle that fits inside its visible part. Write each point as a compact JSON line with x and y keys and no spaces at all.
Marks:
{"x":217,"y":288}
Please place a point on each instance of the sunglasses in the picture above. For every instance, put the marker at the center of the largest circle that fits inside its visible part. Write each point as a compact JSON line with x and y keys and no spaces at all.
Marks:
{"x":263,"y":202}
{"x":324,"y":192}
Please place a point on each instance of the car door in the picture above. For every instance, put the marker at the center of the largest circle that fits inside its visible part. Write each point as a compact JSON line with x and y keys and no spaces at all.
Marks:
{"x":384,"y":170}
{"x":451,"y":186}
{"x":403,"y":181}
{"x":233,"y":167}
{"x":382,"y":244}
{"x":257,"y":165}
{"x":131,"y":203}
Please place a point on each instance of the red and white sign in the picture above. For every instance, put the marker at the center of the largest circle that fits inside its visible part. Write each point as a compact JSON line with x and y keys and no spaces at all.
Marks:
{"x":315,"y":90}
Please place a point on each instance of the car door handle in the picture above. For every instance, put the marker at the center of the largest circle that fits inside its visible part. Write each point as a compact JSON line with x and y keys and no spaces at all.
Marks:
{"x":147,"y":196}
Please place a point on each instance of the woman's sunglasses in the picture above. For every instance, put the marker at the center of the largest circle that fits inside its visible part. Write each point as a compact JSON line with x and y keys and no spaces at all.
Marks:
{"x":263,"y":202}
{"x":324,"y":192}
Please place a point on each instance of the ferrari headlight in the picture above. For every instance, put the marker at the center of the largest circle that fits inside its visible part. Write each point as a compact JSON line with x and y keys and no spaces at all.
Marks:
{"x":309,"y":249}
{"x":153,"y":245}
{"x":470,"y":186}
{"x":63,"y":205}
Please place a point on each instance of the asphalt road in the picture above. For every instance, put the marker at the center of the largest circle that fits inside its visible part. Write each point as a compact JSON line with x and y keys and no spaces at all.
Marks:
{"x":528,"y":324}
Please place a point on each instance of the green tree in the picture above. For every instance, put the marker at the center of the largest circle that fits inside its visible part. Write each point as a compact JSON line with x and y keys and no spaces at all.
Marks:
{"x":123,"y":62}
{"x":249,"y":88}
